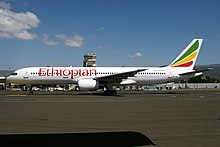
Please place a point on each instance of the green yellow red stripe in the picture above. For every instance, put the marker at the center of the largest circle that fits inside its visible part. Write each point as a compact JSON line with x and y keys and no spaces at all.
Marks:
{"x":187,"y":58}
{"x":185,"y":64}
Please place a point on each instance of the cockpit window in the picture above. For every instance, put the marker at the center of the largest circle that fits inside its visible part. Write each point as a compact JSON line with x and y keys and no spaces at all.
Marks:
{"x":14,"y":74}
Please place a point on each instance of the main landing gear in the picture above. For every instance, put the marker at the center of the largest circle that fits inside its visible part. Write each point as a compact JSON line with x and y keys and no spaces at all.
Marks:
{"x":110,"y":92}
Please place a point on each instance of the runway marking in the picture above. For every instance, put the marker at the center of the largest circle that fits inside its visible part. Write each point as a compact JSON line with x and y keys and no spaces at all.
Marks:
{"x":16,"y":95}
{"x":66,"y":101}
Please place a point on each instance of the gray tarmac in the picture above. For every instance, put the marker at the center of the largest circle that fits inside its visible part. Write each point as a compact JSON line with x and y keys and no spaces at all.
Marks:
{"x":178,"y":118}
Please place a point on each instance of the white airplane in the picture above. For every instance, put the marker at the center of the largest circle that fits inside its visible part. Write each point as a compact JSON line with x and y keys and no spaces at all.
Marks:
{"x":94,"y":78}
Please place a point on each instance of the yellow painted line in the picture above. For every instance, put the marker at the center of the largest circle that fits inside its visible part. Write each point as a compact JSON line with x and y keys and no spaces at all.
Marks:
{"x":16,"y":95}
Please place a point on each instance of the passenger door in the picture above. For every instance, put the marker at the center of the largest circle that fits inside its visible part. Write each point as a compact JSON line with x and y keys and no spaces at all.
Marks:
{"x":26,"y":76}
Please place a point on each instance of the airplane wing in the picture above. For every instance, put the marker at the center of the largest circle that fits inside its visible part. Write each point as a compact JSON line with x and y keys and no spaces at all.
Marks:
{"x":195,"y":71}
{"x":117,"y":78}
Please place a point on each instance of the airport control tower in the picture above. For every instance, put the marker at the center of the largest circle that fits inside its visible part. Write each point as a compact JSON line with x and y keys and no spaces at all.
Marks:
{"x":89,"y":60}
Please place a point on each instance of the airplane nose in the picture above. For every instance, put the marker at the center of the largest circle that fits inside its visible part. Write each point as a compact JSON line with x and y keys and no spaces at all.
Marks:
{"x":9,"y":79}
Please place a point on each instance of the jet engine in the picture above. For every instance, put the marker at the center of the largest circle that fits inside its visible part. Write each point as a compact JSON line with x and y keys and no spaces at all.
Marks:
{"x":88,"y":84}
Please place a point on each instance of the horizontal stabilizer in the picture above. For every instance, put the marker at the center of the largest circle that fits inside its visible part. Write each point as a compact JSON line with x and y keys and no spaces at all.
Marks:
{"x":195,"y":71}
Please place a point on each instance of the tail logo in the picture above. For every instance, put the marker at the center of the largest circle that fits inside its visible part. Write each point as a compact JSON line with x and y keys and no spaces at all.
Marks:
{"x":187,"y":59}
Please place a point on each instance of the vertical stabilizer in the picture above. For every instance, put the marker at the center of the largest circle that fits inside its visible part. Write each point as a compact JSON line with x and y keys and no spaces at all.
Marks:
{"x":187,"y":58}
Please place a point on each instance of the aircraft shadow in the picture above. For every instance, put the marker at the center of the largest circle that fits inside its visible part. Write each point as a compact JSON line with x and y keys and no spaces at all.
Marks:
{"x":164,"y":92}
{"x":98,"y":94}
{"x":101,"y":139}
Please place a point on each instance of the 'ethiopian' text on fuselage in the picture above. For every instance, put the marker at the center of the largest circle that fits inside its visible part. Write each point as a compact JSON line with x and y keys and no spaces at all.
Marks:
{"x":67,"y":72}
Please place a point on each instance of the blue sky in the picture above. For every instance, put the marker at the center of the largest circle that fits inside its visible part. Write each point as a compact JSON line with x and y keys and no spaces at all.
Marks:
{"x":120,"y":32}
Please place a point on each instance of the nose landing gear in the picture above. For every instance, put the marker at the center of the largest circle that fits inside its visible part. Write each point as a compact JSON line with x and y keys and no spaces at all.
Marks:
{"x":30,"y":91}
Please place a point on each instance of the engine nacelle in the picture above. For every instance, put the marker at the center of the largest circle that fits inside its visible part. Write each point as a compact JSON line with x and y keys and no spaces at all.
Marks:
{"x":88,"y":84}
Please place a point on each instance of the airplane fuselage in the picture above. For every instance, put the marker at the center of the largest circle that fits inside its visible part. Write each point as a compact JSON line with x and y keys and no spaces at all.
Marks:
{"x":71,"y":75}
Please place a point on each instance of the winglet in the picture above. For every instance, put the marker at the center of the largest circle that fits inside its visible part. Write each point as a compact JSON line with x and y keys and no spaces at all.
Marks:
{"x":187,"y":58}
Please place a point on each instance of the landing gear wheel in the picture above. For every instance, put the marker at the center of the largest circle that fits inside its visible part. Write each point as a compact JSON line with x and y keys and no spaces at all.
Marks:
{"x":77,"y":88}
{"x":30,"y":93}
{"x":114,"y":92}
{"x":110,"y":92}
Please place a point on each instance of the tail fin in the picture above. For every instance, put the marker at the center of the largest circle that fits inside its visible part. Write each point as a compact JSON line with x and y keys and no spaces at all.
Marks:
{"x":187,"y":58}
